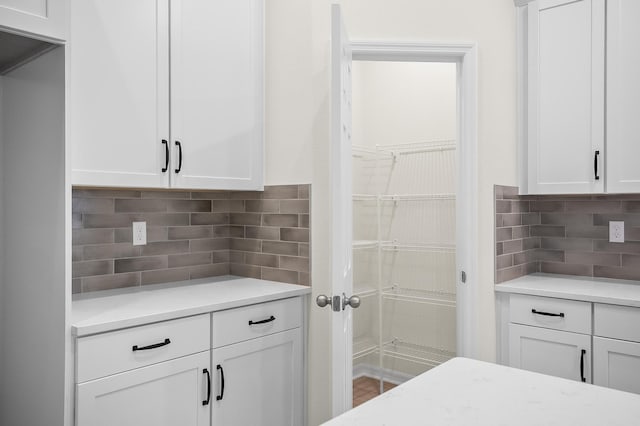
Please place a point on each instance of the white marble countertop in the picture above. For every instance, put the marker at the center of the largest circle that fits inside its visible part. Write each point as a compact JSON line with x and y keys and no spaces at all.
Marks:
{"x":468,"y":392}
{"x":115,"y":309}
{"x":601,"y":290}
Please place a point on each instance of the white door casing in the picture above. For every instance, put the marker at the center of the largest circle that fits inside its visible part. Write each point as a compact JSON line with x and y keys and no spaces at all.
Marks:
{"x":342,"y":216}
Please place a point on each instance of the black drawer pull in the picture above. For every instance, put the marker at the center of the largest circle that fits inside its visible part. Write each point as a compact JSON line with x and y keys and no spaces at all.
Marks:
{"x":154,"y":346}
{"x":219,"y":397}
{"x":264,"y":321}
{"x":547,"y":314}
{"x":583,"y":352}
{"x":595,"y":165}
{"x":206,"y":402}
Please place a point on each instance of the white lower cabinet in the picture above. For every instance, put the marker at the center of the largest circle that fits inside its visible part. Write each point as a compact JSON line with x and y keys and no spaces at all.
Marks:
{"x":616,"y":364}
{"x":259,"y":381}
{"x":166,"y":394}
{"x":557,"y":353}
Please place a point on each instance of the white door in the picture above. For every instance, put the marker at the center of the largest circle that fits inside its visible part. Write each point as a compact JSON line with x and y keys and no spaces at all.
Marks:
{"x":259,"y":381}
{"x":342,"y":216}
{"x":623,"y":96}
{"x":46,"y":18}
{"x":217,"y":56}
{"x":552,"y":352}
{"x":616,"y":364}
{"x":566,"y":96}
{"x":166,"y":394}
{"x":119,"y":93}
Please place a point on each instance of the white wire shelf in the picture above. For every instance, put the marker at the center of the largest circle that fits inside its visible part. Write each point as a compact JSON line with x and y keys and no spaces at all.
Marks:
{"x":364,"y":291}
{"x":424,"y":355}
{"x":393,"y":151}
{"x":431,"y":297}
{"x":431,"y":248}
{"x":363,"y":347}
{"x":366,"y":244}
{"x":403,"y":197}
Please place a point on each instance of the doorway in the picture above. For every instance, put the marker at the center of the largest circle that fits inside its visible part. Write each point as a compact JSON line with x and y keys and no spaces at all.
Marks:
{"x":404,"y":177}
{"x":343,"y":53}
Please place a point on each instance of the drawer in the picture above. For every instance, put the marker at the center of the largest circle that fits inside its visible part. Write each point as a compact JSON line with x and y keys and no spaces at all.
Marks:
{"x":557,"y":314}
{"x":240,"y":324}
{"x":109,"y":353}
{"x":618,"y":322}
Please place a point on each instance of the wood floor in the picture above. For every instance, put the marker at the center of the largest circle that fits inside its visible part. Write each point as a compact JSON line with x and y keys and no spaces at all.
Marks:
{"x":366,"y":388}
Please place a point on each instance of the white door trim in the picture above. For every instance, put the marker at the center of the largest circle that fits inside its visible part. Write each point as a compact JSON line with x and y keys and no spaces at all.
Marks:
{"x":465,"y":56}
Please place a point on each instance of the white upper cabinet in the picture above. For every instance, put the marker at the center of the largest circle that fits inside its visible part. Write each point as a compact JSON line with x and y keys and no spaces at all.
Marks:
{"x":623,"y":96}
{"x":167,"y":94}
{"x":41,"y":18}
{"x":565,"y":89}
{"x":119,"y":92}
{"x":216,"y":93}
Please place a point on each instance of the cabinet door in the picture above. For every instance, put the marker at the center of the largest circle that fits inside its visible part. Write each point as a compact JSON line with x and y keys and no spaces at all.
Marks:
{"x":623,"y":96}
{"x":262,"y":381}
{"x":616,"y":364}
{"x":165,"y":394}
{"x":552,"y":352}
{"x":119,"y":92}
{"x":217,"y":93}
{"x":44,"y":18}
{"x":566,"y":96}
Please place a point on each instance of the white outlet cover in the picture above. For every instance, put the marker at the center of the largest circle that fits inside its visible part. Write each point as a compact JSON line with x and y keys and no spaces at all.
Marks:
{"x":139,"y":233}
{"x":616,"y":232}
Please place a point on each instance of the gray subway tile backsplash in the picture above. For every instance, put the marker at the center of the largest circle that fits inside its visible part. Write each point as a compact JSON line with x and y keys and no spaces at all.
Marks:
{"x":190,"y":235}
{"x":565,"y":234}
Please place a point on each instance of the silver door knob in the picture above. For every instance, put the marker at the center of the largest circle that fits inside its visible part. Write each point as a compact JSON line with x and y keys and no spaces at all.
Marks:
{"x":323,"y":300}
{"x":353,"y":301}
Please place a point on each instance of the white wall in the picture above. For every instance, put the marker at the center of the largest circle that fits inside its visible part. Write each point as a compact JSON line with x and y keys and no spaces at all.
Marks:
{"x":403,"y":102}
{"x":297,"y":134}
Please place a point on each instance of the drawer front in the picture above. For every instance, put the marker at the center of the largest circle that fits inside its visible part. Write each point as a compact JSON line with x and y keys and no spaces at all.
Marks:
{"x":557,"y":314}
{"x":240,"y":324}
{"x":618,"y":322}
{"x":109,"y":353}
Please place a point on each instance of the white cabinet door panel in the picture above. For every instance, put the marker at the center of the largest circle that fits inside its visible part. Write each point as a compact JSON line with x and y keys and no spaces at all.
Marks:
{"x":165,"y":394}
{"x":119,"y":92}
{"x":46,"y":18}
{"x":566,"y":96}
{"x":616,"y":364}
{"x":217,"y":93}
{"x":623,"y":96}
{"x":262,"y":381}
{"x":552,"y":352}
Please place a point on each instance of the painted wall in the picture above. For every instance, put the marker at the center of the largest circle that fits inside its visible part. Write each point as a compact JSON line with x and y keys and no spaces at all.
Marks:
{"x":297,"y":133}
{"x":403,"y":102}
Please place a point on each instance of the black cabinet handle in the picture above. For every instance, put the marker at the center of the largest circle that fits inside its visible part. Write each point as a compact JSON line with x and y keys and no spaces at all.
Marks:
{"x":154,"y":346}
{"x":206,"y":402}
{"x":582,"y":354}
{"x":595,"y":165}
{"x":166,"y":155}
{"x":219,"y":397}
{"x":547,"y":314}
{"x":264,"y":321}
{"x":179,"y":145}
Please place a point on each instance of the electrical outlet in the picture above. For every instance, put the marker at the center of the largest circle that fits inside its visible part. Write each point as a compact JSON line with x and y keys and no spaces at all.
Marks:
{"x":616,"y":232}
{"x":139,"y":233}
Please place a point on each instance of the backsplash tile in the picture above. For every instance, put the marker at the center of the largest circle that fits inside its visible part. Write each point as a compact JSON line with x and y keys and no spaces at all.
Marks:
{"x":190,"y":235}
{"x":565,"y":234}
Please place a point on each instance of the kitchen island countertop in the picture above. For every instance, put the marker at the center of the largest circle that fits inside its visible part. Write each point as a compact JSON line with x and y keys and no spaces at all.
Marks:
{"x":468,"y":392}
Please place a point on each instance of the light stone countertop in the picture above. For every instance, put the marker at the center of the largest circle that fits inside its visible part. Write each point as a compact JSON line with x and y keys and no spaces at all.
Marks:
{"x":467,"y":392}
{"x":115,"y":309}
{"x":600,"y":290}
